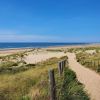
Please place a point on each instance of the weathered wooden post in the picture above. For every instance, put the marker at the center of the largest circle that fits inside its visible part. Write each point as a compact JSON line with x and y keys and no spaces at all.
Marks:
{"x":59,"y":68}
{"x":62,"y":65}
{"x":52,"y":85}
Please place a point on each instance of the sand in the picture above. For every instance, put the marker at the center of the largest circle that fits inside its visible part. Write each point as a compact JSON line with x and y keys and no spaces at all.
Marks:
{"x":35,"y":56}
{"x":89,"y":78}
{"x":42,"y":56}
{"x":5,"y":52}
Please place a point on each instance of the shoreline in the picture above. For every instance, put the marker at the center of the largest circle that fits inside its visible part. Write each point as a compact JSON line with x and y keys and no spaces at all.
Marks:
{"x":69,"y":45}
{"x":9,"y":51}
{"x":48,"y":45}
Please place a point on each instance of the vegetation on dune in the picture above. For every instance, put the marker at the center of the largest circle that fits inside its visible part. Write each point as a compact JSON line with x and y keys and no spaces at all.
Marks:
{"x":16,"y":56}
{"x":88,"y":56}
{"x":83,"y":49}
{"x":32,"y":84}
{"x":13,"y":67}
{"x":55,"y":50}
{"x":72,"y":89}
{"x":25,"y":84}
{"x":89,"y":60}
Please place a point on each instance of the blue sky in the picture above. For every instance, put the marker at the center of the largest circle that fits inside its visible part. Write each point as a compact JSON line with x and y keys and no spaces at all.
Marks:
{"x":49,"y":20}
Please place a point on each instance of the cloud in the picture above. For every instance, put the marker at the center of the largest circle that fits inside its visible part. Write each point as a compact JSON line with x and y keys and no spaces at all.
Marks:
{"x":11,"y":36}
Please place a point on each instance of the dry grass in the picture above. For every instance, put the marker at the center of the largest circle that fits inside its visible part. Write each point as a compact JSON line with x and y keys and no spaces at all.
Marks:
{"x":90,"y":60}
{"x":16,"y":86}
{"x":31,"y":84}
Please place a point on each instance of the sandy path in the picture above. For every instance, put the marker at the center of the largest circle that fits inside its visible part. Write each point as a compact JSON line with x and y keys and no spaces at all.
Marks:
{"x":89,"y":78}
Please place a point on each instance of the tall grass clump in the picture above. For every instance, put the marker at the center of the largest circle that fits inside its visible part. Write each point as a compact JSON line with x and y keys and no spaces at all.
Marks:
{"x":72,"y":89}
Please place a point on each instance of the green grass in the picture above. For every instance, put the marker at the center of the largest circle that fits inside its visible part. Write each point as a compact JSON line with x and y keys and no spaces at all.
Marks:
{"x":55,"y":50}
{"x":16,"y":86}
{"x":91,"y":61}
{"x":32,"y":84}
{"x":14,"y":56}
{"x":14,"y":67}
{"x":72,"y":89}
{"x":83,"y":49}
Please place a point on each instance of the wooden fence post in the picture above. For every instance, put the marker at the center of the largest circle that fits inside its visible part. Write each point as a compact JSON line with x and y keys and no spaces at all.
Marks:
{"x":59,"y":68}
{"x":62,"y":65}
{"x":52,"y":85}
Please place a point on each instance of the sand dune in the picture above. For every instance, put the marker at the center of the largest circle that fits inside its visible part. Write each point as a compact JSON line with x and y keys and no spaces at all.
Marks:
{"x":42,"y":56}
{"x":5,"y":52}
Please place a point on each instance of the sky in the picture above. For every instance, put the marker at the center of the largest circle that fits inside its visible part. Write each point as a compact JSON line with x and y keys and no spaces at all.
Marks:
{"x":49,"y":20}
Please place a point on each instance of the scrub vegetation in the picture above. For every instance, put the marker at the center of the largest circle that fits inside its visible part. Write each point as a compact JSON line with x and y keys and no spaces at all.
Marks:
{"x":21,"y":81}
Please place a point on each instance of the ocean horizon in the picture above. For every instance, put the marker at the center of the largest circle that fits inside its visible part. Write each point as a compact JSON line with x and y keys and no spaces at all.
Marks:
{"x":35,"y":45}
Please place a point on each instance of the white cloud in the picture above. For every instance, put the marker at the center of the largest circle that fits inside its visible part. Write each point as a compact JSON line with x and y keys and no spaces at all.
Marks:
{"x":12,"y":36}
{"x":7,"y":36}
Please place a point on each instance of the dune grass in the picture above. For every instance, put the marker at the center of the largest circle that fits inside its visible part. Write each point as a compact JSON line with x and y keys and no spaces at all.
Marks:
{"x":83,"y":49}
{"x":32,"y":84}
{"x":15,"y":86}
{"x":72,"y":89}
{"x":88,"y":56}
{"x":91,"y":61}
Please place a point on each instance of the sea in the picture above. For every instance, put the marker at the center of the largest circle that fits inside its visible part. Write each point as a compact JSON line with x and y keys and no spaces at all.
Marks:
{"x":35,"y":45}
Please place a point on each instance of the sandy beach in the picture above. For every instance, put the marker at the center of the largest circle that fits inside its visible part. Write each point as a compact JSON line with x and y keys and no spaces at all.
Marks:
{"x":4,"y":52}
{"x":41,"y":54}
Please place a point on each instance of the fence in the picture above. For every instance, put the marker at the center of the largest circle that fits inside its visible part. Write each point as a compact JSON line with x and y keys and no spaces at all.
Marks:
{"x":52,"y":81}
{"x":95,"y":64}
